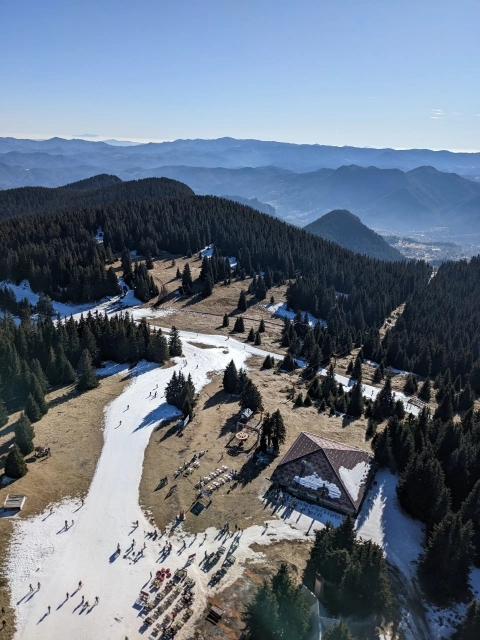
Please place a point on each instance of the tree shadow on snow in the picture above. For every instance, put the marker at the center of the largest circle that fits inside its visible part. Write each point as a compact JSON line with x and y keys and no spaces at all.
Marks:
{"x":155,"y":415}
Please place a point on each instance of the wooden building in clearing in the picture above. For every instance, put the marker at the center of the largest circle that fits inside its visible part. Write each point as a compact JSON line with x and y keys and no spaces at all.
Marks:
{"x":326,"y":472}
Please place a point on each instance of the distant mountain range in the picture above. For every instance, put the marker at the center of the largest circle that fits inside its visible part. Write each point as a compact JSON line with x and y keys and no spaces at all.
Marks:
{"x":398,"y":193}
{"x":348,"y":231}
{"x":232,"y":153}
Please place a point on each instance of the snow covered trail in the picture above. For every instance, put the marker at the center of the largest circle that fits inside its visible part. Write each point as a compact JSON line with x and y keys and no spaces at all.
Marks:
{"x":43,"y":551}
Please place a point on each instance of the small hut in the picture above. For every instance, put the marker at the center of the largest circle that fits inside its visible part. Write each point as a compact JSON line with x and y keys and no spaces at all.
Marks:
{"x":14,"y":503}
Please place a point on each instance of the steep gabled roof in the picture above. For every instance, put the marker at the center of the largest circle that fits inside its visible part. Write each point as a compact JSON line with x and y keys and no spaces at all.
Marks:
{"x":346,"y":469}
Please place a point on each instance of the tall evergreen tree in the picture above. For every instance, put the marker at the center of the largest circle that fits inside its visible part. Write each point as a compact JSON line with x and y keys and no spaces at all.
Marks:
{"x":226,"y":320}
{"x":421,"y":489}
{"x":314,"y":363}
{"x":230,"y":378}
{"x":250,"y":396}
{"x":239,"y":326}
{"x":88,"y":378}
{"x":32,"y":409}
{"x":425,"y":392}
{"x":338,"y":631}
{"x":15,"y":466}
{"x":471,"y":511}
{"x":3,"y":413}
{"x":469,"y":628}
{"x":356,"y":405}
{"x":187,"y":279}
{"x":175,"y":343}
{"x":242,"y":301}
{"x":445,"y":566}
{"x":24,"y":435}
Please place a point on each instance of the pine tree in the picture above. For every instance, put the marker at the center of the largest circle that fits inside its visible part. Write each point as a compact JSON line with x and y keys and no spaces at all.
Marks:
{"x":411,"y":385}
{"x":261,"y":615}
{"x":272,"y":300}
{"x":32,"y":410}
{"x":356,"y":405}
{"x":239,"y":326}
{"x":250,"y":396}
{"x":338,"y":631}
{"x":38,"y":394}
{"x":278,"y":430}
{"x":242,"y":301}
{"x":383,"y":405}
{"x":444,"y":410}
{"x":469,"y":628}
{"x":425,"y":392}
{"x":251,"y":335}
{"x":149,"y":260}
{"x":15,"y":466}
{"x":258,"y":339}
{"x":267,"y":363}
{"x":421,"y":489}
{"x":157,"y":350}
{"x":24,"y":435}
{"x":261,"y":289}
{"x":3,"y":413}
{"x":445,"y":566}
{"x":308,"y":401}
{"x":226,"y":320}
{"x":230,"y":378}
{"x":187,"y":279}
{"x":88,"y":378}
{"x":174,"y":343}
{"x":299,"y":400}
{"x":261,"y":327}
{"x":357,"y":367}
{"x":207,"y":287}
{"x":288,"y":363}
{"x":314,"y":363}
{"x":471,"y":511}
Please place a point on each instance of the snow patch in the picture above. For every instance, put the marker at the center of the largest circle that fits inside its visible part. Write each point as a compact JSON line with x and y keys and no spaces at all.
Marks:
{"x":281,"y":310}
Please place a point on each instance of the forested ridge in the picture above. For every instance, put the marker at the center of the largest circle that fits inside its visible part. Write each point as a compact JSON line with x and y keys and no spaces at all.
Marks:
{"x":101,"y":189}
{"x":439,"y":328}
{"x":58,"y":254}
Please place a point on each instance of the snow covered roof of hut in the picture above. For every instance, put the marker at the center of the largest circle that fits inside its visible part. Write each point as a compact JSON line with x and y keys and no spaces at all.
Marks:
{"x":330,"y":472}
{"x":246,"y":413}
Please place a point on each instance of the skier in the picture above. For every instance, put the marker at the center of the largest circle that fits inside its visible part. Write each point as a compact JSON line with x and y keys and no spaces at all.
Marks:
{"x":66,"y":524}
{"x":80,"y":584}
{"x":68,"y":595}
{"x":97,"y":599}
{"x":31,"y":588}
{"x":48,"y":609}
{"x":38,"y":586}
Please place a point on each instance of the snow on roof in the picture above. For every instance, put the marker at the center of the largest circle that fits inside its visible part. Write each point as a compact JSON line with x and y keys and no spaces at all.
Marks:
{"x":315,"y":462}
{"x":246,"y":412}
{"x":354,"y":478}
{"x":316,"y":482}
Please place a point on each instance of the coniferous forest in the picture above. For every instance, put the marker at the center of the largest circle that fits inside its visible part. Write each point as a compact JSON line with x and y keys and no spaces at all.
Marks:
{"x":54,"y":246}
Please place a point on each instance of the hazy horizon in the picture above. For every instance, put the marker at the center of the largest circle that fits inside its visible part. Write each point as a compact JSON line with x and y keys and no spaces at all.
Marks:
{"x":382,"y":75}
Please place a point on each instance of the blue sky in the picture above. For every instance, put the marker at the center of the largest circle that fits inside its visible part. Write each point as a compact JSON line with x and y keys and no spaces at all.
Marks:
{"x":399,"y":73}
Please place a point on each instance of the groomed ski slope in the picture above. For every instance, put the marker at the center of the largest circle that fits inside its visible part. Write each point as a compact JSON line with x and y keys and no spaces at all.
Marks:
{"x":43,"y":551}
